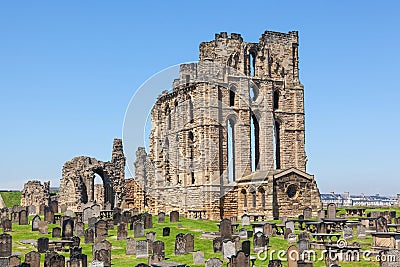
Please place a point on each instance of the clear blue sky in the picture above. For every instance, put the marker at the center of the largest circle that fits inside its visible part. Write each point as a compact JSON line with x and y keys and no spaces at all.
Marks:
{"x":69,"y":68}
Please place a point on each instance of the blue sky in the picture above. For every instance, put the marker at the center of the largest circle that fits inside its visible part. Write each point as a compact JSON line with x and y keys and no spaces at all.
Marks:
{"x":68,"y":70}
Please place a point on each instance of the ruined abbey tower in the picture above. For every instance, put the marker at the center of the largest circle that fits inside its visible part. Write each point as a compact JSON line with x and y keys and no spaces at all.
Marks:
{"x":229,"y":138}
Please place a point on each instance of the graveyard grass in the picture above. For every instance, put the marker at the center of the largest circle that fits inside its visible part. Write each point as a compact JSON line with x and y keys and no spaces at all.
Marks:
{"x":11,"y":198}
{"x":196,"y":227}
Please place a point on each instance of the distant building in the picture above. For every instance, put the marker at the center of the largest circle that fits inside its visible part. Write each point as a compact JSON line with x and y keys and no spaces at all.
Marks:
{"x":347,"y":200}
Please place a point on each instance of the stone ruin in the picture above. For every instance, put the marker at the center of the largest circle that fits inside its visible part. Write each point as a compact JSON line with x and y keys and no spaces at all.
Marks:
{"x":77,"y":188}
{"x":252,"y":113}
{"x":35,"y":194}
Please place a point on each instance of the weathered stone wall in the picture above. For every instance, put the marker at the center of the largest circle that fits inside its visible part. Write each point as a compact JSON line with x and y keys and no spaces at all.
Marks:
{"x":77,"y":183}
{"x":187,"y":167}
{"x":35,"y":194}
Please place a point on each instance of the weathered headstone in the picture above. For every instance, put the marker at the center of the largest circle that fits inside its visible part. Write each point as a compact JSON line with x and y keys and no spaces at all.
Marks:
{"x":96,"y":210}
{"x":214,"y":262}
{"x":159,"y":248}
{"x":67,"y":228}
{"x":116,"y":218}
{"x":260,"y":242}
{"x":54,"y":206}
{"x":246,"y":247}
{"x":138,"y":229}
{"x":122,"y":232}
{"x":151,"y":236}
{"x":87,"y":213}
{"x":217,"y":244}
{"x":92,"y":222}
{"x":198,"y":257}
{"x":240,"y":260}
{"x":33,"y":258}
{"x":304,"y":242}
{"x":35,"y":223}
{"x":76,"y":241}
{"x":347,"y":232}
{"x":180,"y":244}
{"x":5,"y":245}
{"x":147,"y":220}
{"x":290,"y":225}
{"x":43,"y":244}
{"x":103,"y":255}
{"x":79,"y":229}
{"x":161,"y":217}
{"x":14,"y":261}
{"x":101,"y":231}
{"x":189,"y":243}
{"x":307,"y":213}
{"x":166,"y":231}
{"x":268,"y":229}
{"x":154,"y":259}
{"x":174,"y":216}
{"x":6,"y":225}
{"x":381,"y":225}
{"x":142,"y":249}
{"x":56,"y":232}
{"x":54,"y":259}
{"x":31,"y":210}
{"x":225,"y":228}
{"x":23,"y":217}
{"x":243,"y":234}
{"x":48,"y":215}
{"x":292,"y":255}
{"x":361,"y":231}
{"x":331,"y":214}
{"x":130,"y":246}
{"x":292,"y":238}
{"x":287,"y":232}
{"x":43,"y":228}
{"x":89,"y":236}
{"x":245,"y":220}
{"x":228,"y":249}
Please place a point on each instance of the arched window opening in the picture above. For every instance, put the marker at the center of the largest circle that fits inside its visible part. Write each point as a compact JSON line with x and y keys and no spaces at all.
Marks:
{"x":191,"y":137}
{"x":276,"y":99}
{"x":244,"y":198}
{"x":262,"y":195}
{"x":255,"y":143}
{"x":253,"y":92}
{"x":98,"y":190}
{"x":277,"y":145}
{"x":252,"y":63}
{"x":232,"y":97}
{"x":231,"y":150}
{"x":254,"y":198}
{"x":168,"y":112}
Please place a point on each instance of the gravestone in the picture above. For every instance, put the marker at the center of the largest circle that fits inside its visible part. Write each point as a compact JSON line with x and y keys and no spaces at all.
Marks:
{"x":292,"y":238}
{"x":361,"y":231}
{"x":240,"y":260}
{"x":166,"y":231}
{"x":307,"y":213}
{"x":238,"y":245}
{"x":56,"y":232}
{"x":79,"y":229}
{"x":54,"y":206}
{"x":292,"y":256}
{"x":245,"y":220}
{"x":246,"y":247}
{"x":243,"y":234}
{"x":67,"y":228}
{"x":161,"y":217}
{"x":48,"y":215}
{"x":31,"y":210}
{"x":122,"y":232}
{"x":130,"y":246}
{"x":96,"y":210}
{"x":151,"y":236}
{"x":43,"y":244}
{"x":23,"y":217}
{"x":106,"y":245}
{"x":174,"y":216}
{"x":198,"y":258}
{"x":74,"y":250}
{"x":225,"y":228}
{"x":76,"y":241}
{"x":260,"y":242}
{"x":303,"y":245}
{"x":268,"y":229}
{"x":347,"y":233}
{"x":43,"y":228}
{"x":35,"y":223}
{"x":101,"y":231}
{"x":6,"y":225}
{"x":5,"y":245}
{"x":159,"y":249}
{"x":87,"y":213}
{"x":92,"y":222}
{"x":180,"y":244}
{"x":14,"y":261}
{"x":142,"y":249}
{"x":154,"y":259}
{"x":147,"y":220}
{"x":321,"y":215}
{"x":217,"y":244}
{"x":290,"y":225}
{"x":189,"y":243}
{"x":33,"y":258}
{"x":214,"y":262}
{"x":287,"y":232}
{"x":228,"y":249}
{"x":381,"y":225}
{"x":110,"y":224}
{"x":331,"y":211}
{"x":15,"y":217}
{"x":138,"y":229}
{"x":89,"y":236}
{"x":103,"y":255}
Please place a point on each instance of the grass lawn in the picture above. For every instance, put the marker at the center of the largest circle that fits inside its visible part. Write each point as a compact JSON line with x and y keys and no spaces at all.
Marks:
{"x":11,"y":198}
{"x":277,"y":243}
